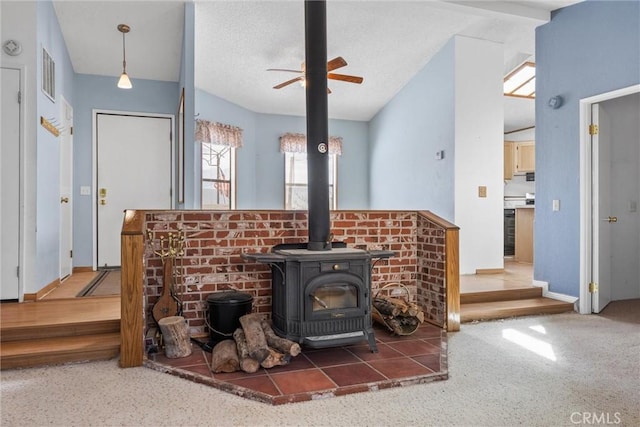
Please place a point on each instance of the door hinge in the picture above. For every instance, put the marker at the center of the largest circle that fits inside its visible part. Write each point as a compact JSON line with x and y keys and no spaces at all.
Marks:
{"x":71,"y":253}
{"x":18,"y":271}
{"x":593,"y":129}
{"x":19,"y":97}
{"x":71,"y":130}
{"x":593,"y":287}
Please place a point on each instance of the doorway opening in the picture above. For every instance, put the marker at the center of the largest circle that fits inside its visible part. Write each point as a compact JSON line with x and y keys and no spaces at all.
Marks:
{"x":609,"y":193}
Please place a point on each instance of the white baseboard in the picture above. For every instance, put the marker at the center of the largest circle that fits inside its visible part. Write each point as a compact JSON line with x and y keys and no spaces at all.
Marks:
{"x":553,"y":295}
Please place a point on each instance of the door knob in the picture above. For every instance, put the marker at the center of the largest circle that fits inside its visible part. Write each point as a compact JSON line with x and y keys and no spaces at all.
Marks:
{"x":611,"y":219}
{"x":64,"y":200}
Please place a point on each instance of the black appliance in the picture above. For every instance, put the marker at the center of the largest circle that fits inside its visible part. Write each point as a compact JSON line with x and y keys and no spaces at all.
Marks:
{"x":321,"y":290}
{"x":509,"y":232}
{"x":530,"y":176}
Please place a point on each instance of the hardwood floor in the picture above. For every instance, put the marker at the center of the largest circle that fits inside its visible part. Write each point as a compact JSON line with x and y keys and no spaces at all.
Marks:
{"x":59,"y":327}
{"x":507,"y":294}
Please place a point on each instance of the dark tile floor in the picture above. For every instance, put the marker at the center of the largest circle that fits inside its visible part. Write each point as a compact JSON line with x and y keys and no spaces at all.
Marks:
{"x":401,"y":360}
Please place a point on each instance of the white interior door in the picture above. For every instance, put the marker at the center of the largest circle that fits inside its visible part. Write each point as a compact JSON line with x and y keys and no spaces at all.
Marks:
{"x":10,"y":184}
{"x":616,"y":184}
{"x":133,"y":171}
{"x":66,"y":185}
{"x":602,"y":220}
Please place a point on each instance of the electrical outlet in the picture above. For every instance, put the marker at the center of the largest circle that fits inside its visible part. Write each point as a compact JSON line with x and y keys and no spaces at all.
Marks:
{"x":482,"y":191}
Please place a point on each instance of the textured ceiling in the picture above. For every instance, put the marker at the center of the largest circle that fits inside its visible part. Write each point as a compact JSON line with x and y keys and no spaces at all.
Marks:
{"x":386,"y":42}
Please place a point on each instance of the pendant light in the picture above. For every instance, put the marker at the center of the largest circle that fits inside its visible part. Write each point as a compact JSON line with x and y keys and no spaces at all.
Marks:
{"x":124,"y":82}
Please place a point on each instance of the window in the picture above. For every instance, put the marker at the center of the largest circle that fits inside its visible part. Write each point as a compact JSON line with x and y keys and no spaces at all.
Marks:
{"x":296,"y":181}
{"x":218,"y":176}
{"x":218,"y":144}
{"x":521,"y":82}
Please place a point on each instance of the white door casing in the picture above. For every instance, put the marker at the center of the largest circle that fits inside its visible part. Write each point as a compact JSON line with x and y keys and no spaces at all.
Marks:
{"x":133,"y":171}
{"x":10,"y":184}
{"x":66,"y":188}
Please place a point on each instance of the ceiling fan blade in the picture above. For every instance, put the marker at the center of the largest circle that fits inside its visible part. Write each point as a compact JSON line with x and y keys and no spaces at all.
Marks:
{"x":336,"y":63}
{"x":284,"y":69}
{"x":345,"y":78}
{"x":288,"y":82}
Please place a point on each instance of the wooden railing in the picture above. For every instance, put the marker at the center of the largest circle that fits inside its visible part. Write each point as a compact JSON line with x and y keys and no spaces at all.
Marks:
{"x":131,"y":289}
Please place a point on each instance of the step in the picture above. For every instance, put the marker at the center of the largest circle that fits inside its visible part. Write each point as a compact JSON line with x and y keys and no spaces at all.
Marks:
{"x":58,"y":318}
{"x":49,"y":351}
{"x":512,"y":308}
{"x":525,"y":292}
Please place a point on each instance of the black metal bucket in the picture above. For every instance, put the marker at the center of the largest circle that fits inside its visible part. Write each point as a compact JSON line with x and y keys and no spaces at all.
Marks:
{"x":225,"y":310}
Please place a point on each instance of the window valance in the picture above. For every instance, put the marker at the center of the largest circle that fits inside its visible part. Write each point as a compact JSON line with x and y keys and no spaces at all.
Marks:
{"x":218,"y":133}
{"x":297,"y":143}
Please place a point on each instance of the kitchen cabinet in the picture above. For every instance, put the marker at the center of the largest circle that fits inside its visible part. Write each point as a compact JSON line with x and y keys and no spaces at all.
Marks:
{"x":519,"y":158}
{"x":508,"y":160}
{"x":524,"y":234}
{"x":525,"y":157}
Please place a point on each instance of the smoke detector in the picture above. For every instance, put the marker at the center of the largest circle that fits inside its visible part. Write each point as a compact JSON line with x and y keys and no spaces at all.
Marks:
{"x":12,"y":47}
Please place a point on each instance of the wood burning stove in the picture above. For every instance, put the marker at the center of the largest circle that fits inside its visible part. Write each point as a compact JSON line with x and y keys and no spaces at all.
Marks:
{"x":321,"y":291}
{"x":322,"y":298}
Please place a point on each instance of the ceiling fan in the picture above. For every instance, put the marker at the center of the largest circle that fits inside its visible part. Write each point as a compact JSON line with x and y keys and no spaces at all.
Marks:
{"x":334,"y":64}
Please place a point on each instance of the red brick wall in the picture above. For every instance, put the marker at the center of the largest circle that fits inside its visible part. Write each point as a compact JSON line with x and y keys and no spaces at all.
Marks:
{"x":215,"y":240}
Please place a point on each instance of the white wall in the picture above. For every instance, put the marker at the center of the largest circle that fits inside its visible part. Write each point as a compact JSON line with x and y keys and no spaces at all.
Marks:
{"x":479,"y":127}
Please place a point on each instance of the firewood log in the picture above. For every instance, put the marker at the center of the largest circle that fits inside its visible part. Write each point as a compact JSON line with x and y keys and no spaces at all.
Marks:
{"x":385,"y":307}
{"x":399,"y":303}
{"x":256,"y":341}
{"x":247,"y":364}
{"x":275,"y":358}
{"x":175,"y":336}
{"x":280,"y":344}
{"x":224,"y":357}
{"x":395,"y":325}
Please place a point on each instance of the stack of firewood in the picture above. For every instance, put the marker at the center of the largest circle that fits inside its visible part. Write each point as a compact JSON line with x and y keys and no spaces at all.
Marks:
{"x":254,"y":345}
{"x":397,"y":313}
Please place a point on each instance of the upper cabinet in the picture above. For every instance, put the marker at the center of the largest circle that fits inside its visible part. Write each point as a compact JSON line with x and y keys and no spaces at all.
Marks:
{"x":519,"y":158}
{"x":525,"y":157}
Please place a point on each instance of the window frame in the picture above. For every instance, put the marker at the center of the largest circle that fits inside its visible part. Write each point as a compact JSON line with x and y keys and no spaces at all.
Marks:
{"x":333,"y":181}
{"x":232,"y":180}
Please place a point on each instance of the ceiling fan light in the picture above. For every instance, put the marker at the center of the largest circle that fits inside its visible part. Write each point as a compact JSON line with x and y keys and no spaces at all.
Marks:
{"x":124,"y":82}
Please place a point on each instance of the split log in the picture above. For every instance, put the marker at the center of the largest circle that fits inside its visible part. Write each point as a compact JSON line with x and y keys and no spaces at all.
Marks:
{"x":386,"y":307}
{"x":275,"y":358}
{"x":254,"y":335}
{"x":175,"y":336}
{"x":247,"y":364}
{"x":224,"y":357}
{"x":280,"y":344}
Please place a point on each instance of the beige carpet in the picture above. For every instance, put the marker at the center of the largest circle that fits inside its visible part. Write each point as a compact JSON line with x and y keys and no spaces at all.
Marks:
{"x":557,"y":370}
{"x":106,"y":283}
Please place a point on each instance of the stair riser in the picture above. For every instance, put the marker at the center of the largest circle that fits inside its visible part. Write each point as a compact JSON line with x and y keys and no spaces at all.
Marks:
{"x":28,"y":361}
{"x":53,"y":331}
{"x":501,"y":295}
{"x":507,"y":313}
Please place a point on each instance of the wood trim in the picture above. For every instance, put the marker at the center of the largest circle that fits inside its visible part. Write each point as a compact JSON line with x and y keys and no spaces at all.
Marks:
{"x":44,"y":291}
{"x":438,"y":221}
{"x":489,"y":270}
{"x":131,"y":298}
{"x":88,"y":269}
{"x":452,"y":242}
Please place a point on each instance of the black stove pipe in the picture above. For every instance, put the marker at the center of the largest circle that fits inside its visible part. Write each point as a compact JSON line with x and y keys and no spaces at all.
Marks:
{"x":317,"y":124}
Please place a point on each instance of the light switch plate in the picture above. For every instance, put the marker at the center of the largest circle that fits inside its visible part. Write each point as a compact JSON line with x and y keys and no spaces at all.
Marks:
{"x":555,"y":205}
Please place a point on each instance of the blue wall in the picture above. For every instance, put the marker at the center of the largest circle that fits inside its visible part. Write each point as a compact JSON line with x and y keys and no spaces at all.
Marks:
{"x":260,"y":164}
{"x":587,"y":49}
{"x":405,"y":136}
{"x":100,"y":92}
{"x":50,"y":37}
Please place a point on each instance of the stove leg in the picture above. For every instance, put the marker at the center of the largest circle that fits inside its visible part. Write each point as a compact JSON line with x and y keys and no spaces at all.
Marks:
{"x":371,"y":338}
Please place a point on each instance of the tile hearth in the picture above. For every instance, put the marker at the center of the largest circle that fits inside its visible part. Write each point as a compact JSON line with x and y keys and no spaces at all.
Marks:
{"x":321,"y":373}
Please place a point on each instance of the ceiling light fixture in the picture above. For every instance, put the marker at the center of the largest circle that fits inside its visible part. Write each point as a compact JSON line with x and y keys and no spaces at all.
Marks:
{"x":124,"y":82}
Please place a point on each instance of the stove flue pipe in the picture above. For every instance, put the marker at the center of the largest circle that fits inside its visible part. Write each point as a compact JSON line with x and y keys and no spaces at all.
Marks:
{"x":317,"y":124}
